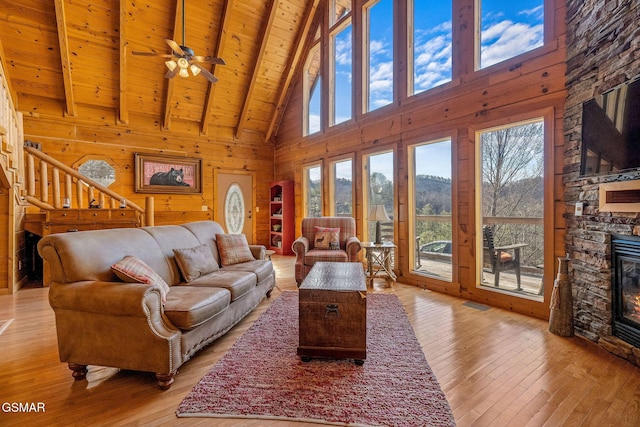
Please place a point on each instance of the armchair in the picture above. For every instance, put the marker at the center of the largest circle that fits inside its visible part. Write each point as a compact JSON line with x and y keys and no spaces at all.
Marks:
{"x":308,"y":253}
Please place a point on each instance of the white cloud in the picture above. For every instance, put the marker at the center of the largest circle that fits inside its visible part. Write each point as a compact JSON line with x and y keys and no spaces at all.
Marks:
{"x":507,"y":39}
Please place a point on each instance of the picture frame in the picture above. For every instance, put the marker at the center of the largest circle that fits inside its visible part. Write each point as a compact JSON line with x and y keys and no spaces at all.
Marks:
{"x":162,"y":173}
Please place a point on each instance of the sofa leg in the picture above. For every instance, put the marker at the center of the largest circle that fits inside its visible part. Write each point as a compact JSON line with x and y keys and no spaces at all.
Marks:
{"x":79,"y":371}
{"x":165,"y":380}
{"x":269,"y":293}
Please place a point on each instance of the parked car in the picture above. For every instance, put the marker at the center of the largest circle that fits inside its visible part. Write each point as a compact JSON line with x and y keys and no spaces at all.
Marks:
{"x":436,"y":247}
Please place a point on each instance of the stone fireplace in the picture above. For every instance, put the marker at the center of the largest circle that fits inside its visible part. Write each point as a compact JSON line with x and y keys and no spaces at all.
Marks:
{"x":603,"y":51}
{"x":626,"y":288}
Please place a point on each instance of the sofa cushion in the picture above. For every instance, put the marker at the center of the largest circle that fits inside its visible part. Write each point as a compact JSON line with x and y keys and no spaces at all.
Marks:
{"x":188,"y":307}
{"x":261,"y":268}
{"x":322,"y":255}
{"x":327,"y":238}
{"x":233,"y":249}
{"x":195,"y":262}
{"x":237,"y":282}
{"x":132,"y":269}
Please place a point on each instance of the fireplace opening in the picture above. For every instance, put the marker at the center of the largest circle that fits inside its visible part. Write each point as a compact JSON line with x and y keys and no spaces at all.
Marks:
{"x":626,"y":288}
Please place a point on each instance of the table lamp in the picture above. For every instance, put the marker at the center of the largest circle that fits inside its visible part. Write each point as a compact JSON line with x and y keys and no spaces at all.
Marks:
{"x":378,"y":214}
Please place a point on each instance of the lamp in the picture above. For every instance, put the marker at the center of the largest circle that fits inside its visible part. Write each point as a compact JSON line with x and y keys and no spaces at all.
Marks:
{"x":378,"y":214}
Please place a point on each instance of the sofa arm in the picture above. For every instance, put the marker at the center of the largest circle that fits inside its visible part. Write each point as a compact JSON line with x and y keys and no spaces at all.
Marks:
{"x":353,"y":246}
{"x":300,"y":247}
{"x":109,"y":298}
{"x":258,"y":251}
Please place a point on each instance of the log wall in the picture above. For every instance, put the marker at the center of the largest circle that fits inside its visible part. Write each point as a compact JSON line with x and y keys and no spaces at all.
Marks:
{"x":528,"y":86}
{"x":69,"y":140}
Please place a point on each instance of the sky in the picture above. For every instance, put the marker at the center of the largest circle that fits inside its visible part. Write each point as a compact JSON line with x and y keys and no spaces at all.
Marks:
{"x":508,"y":29}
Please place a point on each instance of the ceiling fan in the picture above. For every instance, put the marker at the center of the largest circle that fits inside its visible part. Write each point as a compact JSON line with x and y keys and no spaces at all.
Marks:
{"x":184,"y":60}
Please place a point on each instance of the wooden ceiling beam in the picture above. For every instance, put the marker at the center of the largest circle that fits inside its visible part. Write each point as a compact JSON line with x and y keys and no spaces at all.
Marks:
{"x":65,"y":60}
{"x":292,"y":68}
{"x":265,"y":31}
{"x":177,"y":31}
{"x":221,"y":41}
{"x":123,"y":113}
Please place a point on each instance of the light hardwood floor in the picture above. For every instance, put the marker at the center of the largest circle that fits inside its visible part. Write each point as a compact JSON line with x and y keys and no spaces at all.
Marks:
{"x":496,"y":368}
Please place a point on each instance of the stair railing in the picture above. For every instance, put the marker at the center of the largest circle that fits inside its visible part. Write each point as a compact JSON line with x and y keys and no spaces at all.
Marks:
{"x":61,"y":178}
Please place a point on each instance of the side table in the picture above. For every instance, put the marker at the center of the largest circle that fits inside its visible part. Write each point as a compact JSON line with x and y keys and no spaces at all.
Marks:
{"x":379,"y":261}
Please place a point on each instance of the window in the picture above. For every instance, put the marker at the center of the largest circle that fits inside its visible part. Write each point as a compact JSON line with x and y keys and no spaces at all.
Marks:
{"x":431,"y":200}
{"x":379,"y":172}
{"x":429,"y":25}
{"x":312,"y":89}
{"x":312,"y":181}
{"x":341,"y":189}
{"x":98,"y":169}
{"x":341,"y":86}
{"x":511,"y":202}
{"x":378,"y":34}
{"x":509,"y":29}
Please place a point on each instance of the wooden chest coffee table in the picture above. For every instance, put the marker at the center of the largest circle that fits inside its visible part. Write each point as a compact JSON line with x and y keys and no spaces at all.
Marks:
{"x":333,"y":312}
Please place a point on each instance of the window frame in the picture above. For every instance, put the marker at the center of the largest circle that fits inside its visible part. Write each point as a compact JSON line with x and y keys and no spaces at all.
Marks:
{"x":332,"y":178}
{"x":305,"y":187}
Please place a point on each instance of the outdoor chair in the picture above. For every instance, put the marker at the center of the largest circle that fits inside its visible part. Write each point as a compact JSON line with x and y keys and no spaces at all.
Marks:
{"x":501,"y":258}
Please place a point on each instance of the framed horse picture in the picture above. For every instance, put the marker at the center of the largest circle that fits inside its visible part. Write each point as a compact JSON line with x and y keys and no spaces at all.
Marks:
{"x":160,"y":173}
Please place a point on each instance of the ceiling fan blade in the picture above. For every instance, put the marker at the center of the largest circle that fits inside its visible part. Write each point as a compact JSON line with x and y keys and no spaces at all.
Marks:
{"x":146,"y":53}
{"x":206,"y":73}
{"x":175,"y":47}
{"x":210,"y":60}
{"x":172,"y":73}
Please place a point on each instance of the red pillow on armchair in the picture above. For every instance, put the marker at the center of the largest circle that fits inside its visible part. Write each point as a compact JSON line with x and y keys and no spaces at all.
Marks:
{"x":326,"y":238}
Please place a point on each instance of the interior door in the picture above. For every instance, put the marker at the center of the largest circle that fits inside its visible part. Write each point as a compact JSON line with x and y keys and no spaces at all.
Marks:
{"x":235,"y":201}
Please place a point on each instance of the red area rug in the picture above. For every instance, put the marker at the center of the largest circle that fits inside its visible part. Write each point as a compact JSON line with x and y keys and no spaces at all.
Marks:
{"x":262,"y":377}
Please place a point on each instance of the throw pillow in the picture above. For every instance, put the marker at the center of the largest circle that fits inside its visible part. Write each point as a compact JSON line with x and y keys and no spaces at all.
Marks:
{"x":233,"y":249}
{"x":132,"y":269}
{"x":195,"y":262}
{"x":327,"y":238}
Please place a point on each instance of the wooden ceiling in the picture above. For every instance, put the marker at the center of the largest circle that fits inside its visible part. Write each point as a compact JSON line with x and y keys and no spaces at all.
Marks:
{"x":73,"y":57}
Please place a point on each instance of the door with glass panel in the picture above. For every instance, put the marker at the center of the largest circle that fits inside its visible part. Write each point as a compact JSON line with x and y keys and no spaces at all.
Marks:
{"x":510,"y":208}
{"x":431,"y":205}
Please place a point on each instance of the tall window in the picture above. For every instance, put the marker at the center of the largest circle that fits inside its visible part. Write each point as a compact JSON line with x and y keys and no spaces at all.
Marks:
{"x":511,"y":188}
{"x":342,"y":75}
{"x":378,"y":34}
{"x":431,"y":199}
{"x":379,"y":171}
{"x":509,"y":28}
{"x":341,"y":189}
{"x":312,"y":89}
{"x":312,"y":187}
{"x":429,"y":25}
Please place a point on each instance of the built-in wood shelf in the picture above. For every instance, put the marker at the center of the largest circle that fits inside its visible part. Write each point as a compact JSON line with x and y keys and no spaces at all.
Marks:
{"x":620,"y":196}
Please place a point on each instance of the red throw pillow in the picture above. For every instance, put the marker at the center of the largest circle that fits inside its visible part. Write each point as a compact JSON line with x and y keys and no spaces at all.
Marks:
{"x":132,"y":269}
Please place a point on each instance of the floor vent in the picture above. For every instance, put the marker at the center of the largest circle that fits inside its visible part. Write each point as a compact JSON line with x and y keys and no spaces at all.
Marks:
{"x":477,"y":306}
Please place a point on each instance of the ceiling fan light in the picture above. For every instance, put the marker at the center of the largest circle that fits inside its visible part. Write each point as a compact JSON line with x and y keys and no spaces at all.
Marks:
{"x":171,"y":64}
{"x":183,"y":72}
{"x":195,"y":70}
{"x":183,"y":63}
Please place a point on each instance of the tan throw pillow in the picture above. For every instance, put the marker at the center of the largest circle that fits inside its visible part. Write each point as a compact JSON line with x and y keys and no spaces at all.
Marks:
{"x":327,"y":238}
{"x":195,"y":262}
{"x":233,"y":249}
{"x":132,"y":269}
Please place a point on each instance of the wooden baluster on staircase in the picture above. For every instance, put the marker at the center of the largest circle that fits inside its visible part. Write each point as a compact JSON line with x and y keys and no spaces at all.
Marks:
{"x":44,"y":182}
{"x":55,"y":187}
{"x":68,"y":189}
{"x":31,"y":176}
{"x":79,"y":192}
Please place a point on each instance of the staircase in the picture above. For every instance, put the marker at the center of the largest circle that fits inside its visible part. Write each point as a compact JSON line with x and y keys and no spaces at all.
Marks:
{"x":69,"y":201}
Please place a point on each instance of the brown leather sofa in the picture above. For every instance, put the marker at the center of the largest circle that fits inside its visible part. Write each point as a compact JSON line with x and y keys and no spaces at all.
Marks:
{"x":101,"y":320}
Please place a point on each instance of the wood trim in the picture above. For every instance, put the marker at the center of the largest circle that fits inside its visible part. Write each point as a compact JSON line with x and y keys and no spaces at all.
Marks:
{"x":64,"y":58}
{"x":621,"y":196}
{"x":293,"y":68}
{"x":266,"y":32}
{"x":177,"y":30}
{"x":224,"y":28}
